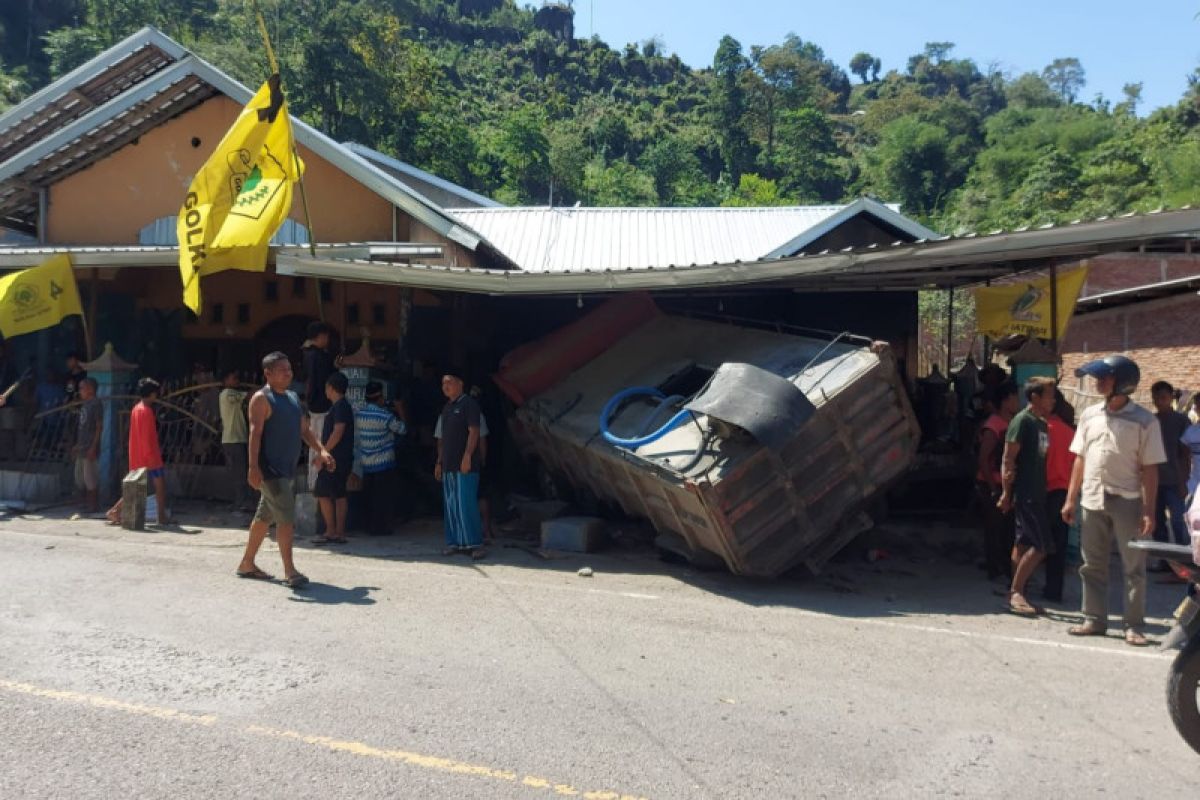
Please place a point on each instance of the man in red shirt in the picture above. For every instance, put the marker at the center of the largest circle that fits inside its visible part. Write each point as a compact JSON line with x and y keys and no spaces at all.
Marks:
{"x":1059,"y":461}
{"x":144,"y":451}
{"x":997,"y":526}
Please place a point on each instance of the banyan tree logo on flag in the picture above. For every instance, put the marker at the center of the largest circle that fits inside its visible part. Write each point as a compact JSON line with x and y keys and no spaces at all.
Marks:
{"x":252,"y":192}
{"x":1024,"y":308}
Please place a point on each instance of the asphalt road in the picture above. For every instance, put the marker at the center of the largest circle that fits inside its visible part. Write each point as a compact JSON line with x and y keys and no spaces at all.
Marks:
{"x":136,"y":665}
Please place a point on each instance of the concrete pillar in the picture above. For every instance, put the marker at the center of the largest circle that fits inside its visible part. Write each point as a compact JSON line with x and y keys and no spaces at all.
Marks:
{"x":112,"y":378}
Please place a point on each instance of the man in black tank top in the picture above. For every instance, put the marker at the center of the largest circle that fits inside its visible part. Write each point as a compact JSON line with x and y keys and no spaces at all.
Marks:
{"x":277,"y":427}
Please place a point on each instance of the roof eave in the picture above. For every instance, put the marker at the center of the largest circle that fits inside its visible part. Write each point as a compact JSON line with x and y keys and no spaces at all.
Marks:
{"x":148,"y":35}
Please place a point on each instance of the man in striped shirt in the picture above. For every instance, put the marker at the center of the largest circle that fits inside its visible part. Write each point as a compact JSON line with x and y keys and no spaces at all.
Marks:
{"x":375,"y":432}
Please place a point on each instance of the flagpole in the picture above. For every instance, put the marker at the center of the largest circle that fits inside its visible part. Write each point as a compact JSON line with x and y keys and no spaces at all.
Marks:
{"x":312,"y":239}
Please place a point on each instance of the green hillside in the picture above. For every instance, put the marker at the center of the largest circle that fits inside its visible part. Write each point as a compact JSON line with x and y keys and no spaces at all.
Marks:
{"x":506,"y":100}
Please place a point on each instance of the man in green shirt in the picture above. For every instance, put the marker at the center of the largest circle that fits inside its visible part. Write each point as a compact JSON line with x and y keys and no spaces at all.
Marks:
{"x":235,"y":434}
{"x":1024,"y":494}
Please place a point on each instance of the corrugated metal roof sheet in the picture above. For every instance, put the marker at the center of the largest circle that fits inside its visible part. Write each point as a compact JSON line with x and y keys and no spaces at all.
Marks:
{"x":542,"y":239}
{"x":580,"y":239}
{"x":903,"y":266}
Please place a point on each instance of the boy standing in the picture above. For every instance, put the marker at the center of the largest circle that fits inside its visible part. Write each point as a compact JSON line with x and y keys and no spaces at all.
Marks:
{"x":144,"y":451}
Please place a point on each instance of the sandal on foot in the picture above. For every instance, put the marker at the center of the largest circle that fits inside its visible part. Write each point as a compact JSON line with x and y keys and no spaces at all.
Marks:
{"x":1022,"y":607}
{"x":255,"y":574}
{"x":1136,"y":638}
{"x":478,"y":553}
{"x":329,"y":540}
{"x":1087,"y":629}
{"x":449,"y":551}
{"x":297,"y":581}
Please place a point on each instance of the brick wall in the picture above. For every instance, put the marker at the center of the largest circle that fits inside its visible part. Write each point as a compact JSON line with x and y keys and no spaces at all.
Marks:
{"x":1163,"y":336}
{"x":1127,"y":270}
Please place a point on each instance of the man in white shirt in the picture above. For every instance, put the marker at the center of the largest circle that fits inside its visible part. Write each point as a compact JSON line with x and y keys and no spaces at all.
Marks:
{"x":1118,"y":447}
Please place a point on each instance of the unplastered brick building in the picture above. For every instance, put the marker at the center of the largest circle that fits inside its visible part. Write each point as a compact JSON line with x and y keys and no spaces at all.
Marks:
{"x":1144,"y":304}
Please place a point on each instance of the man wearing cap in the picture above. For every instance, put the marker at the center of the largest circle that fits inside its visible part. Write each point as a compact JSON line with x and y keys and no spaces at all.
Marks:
{"x":1118,"y":447}
{"x":458,"y":468}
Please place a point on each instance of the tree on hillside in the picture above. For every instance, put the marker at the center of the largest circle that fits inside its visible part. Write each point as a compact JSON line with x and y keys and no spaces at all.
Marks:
{"x":1067,"y":77}
{"x":1133,"y":96}
{"x":866,"y":67}
{"x":729,"y":104}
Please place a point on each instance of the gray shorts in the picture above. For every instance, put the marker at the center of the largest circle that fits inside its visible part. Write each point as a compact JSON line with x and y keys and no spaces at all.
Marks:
{"x":278,"y":503}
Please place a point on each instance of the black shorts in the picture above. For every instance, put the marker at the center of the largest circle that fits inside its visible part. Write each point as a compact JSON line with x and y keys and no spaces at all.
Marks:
{"x":1033,"y":524}
{"x":332,"y":484}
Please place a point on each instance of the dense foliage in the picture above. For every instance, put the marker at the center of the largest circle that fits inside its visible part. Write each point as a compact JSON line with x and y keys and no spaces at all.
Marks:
{"x":505,"y":100}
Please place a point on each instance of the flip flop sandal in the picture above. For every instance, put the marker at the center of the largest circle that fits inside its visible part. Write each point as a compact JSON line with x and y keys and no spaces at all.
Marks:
{"x":1136,"y":639}
{"x":256,"y":575}
{"x":1023,"y":609}
{"x":297,"y":581}
{"x":328,"y":540}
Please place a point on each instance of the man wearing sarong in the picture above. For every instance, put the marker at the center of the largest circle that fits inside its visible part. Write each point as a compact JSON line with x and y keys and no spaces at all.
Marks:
{"x":458,"y":468}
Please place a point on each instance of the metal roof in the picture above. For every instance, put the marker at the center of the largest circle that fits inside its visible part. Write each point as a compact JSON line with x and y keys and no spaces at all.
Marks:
{"x":135,"y":86}
{"x":550,"y":240}
{"x":167,"y":256}
{"x":422,"y":181}
{"x":1137,"y":294}
{"x":943,"y":263}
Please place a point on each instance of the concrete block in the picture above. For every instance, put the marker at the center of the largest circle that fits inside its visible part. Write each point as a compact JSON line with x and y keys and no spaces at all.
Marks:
{"x":133,"y":500}
{"x":534,"y":513}
{"x":306,"y":514}
{"x":573,"y":534}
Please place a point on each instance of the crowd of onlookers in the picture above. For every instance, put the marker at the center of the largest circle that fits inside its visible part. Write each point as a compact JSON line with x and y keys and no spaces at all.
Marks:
{"x":1117,"y":472}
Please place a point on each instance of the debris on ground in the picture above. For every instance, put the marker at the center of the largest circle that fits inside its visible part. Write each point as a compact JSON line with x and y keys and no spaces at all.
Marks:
{"x":585,"y":572}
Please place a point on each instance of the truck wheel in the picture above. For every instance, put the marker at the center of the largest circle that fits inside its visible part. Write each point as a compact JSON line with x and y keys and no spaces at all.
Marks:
{"x":1183,"y":693}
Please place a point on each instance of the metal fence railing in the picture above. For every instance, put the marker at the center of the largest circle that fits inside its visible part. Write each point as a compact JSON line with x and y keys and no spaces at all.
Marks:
{"x":189,"y":434}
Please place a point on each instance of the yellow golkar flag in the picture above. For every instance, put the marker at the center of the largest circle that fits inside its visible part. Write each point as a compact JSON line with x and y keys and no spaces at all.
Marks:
{"x":1024,"y":307}
{"x":37,"y":298}
{"x":241,"y":195}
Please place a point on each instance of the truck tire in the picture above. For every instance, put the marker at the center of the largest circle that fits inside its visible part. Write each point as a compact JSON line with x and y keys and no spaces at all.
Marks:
{"x":1183,"y":693}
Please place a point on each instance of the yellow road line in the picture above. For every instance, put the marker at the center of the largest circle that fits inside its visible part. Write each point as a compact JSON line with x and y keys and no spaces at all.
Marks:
{"x":108,"y":703}
{"x":436,"y":763}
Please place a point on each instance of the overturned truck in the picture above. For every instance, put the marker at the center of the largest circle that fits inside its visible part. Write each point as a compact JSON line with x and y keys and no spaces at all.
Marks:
{"x":760,"y":447}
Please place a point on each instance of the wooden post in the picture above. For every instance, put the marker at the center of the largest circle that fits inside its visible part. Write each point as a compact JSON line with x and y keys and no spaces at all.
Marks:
{"x":89,"y":324}
{"x":949,"y":329}
{"x":1054,"y":308}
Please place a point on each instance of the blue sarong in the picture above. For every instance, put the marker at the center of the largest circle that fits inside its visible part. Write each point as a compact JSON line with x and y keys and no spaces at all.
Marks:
{"x":464,"y":526}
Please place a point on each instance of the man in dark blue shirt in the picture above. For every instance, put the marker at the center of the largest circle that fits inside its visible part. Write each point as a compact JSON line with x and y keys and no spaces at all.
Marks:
{"x":458,"y":468}
{"x":338,"y":438}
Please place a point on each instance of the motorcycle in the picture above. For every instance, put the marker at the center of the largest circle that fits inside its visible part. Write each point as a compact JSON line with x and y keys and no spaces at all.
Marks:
{"x":1183,"y":684}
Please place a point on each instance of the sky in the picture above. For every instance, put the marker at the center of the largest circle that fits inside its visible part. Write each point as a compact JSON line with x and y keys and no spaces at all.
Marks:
{"x":1156,"y":42}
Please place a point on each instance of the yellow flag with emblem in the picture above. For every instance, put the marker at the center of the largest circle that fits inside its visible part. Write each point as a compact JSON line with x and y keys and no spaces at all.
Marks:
{"x":37,"y":298}
{"x":241,"y":195}
{"x":1024,"y":308}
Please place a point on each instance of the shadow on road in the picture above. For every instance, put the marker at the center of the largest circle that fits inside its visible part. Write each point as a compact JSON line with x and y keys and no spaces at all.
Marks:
{"x":329,"y":595}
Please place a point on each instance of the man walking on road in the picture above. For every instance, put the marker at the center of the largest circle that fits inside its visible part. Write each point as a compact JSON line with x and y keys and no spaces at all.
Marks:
{"x":277,"y":428}
{"x":1025,"y":446}
{"x":1118,"y":447}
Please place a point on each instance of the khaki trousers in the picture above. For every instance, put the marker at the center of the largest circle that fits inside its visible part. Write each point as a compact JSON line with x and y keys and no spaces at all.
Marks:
{"x":1119,"y":520}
